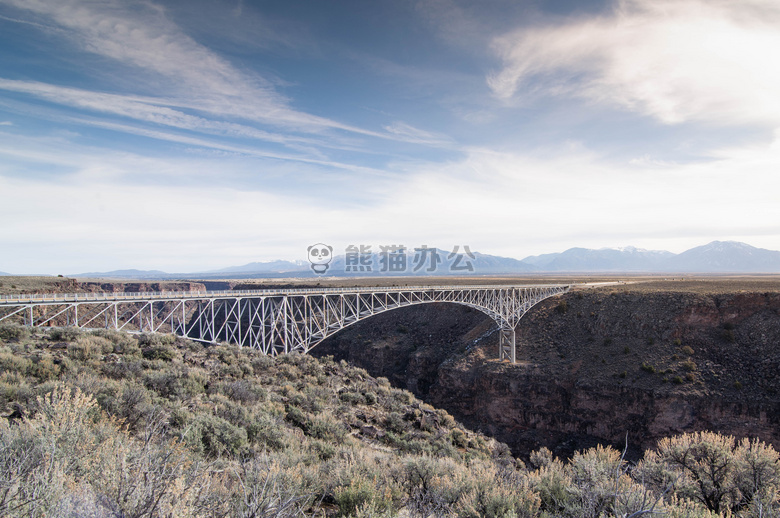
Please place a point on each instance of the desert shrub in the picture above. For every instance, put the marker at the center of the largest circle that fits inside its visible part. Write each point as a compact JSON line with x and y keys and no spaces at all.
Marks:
{"x":171,"y":484}
{"x":562,"y":307}
{"x":162,"y":352}
{"x":14,"y":332}
{"x":225,"y":353}
{"x":371,"y":397}
{"x":193,"y":382}
{"x":352,"y":397}
{"x":11,"y":362}
{"x":687,"y":350}
{"x":432,"y":486}
{"x":702,"y":466}
{"x":82,"y":352}
{"x":106,"y":346}
{"x":267,"y":432}
{"x":297,"y":417}
{"x":132,"y":404}
{"x":123,"y":343}
{"x":594,"y":483}
{"x":175,"y":381}
{"x":94,"y":466}
{"x":15,"y":388}
{"x":169,"y":383}
{"x":593,"y":474}
{"x":230,"y":371}
{"x":123,"y":369}
{"x":261,"y":363}
{"x":290,"y":372}
{"x":308,"y":400}
{"x":66,"y":334}
{"x":265,"y":489}
{"x":446,"y":420}
{"x":757,"y":476}
{"x":155,"y":339}
{"x":396,"y":423}
{"x":109,"y":334}
{"x":326,"y":427}
{"x":360,"y":493}
{"x":728,"y":335}
{"x":243,"y":391}
{"x":496,"y":500}
{"x":234,"y":413}
{"x":551,"y":482}
{"x":215,"y":436}
{"x":87,"y":347}
{"x":648,"y":368}
{"x":403,"y":397}
{"x":459,"y":438}
{"x":323,"y":449}
{"x":31,"y":485}
{"x":128,"y":347}
{"x":44,"y":368}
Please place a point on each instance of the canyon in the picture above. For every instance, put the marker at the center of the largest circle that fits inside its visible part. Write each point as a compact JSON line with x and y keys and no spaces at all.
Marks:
{"x":623,"y":365}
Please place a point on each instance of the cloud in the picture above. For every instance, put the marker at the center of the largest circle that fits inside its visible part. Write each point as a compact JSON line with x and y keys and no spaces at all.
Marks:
{"x":6,"y":123}
{"x":141,"y":108}
{"x":409,"y":133}
{"x":674,"y":60}
{"x":139,"y":35}
{"x":102,"y":216}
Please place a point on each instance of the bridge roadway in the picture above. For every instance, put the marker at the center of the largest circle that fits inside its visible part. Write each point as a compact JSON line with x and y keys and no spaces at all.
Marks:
{"x":275,"y":321}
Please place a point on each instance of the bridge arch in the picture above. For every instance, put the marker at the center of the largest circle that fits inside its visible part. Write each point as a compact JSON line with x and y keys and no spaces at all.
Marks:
{"x":507,"y":338}
{"x":497,"y":319}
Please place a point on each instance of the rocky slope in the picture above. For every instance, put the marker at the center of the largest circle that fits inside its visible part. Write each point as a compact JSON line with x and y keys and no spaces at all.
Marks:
{"x":640,"y":361}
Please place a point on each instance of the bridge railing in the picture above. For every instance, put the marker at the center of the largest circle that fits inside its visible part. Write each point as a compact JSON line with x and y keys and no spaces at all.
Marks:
{"x":113,"y":296}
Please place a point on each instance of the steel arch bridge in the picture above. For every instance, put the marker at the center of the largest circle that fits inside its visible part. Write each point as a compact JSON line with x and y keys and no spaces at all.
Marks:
{"x":273,"y":321}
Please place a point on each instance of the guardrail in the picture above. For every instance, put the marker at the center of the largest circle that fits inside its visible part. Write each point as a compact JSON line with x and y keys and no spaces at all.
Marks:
{"x":115,"y":296}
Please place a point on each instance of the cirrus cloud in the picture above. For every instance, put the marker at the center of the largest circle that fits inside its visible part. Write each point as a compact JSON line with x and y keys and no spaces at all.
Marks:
{"x":674,"y":60}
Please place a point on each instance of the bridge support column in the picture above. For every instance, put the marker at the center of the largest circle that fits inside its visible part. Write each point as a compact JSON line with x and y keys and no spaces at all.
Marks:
{"x":506,"y":345}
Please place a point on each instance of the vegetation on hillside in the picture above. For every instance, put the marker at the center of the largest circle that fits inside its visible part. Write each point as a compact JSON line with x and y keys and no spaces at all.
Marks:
{"x":109,"y":424}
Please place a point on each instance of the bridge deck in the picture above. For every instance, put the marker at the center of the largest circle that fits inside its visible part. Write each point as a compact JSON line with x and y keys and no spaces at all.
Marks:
{"x":37,"y":298}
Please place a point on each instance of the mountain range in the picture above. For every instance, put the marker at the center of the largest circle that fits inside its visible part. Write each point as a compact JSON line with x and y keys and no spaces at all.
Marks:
{"x":715,"y":257}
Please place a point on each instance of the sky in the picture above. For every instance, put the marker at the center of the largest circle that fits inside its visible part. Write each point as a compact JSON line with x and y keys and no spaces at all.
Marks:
{"x":190,"y":135}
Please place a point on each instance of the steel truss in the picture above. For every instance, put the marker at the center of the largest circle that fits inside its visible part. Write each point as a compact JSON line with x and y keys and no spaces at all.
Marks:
{"x":273,"y":321}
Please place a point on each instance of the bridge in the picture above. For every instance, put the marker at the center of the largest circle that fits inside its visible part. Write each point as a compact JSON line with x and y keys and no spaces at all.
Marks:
{"x":275,"y":321}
